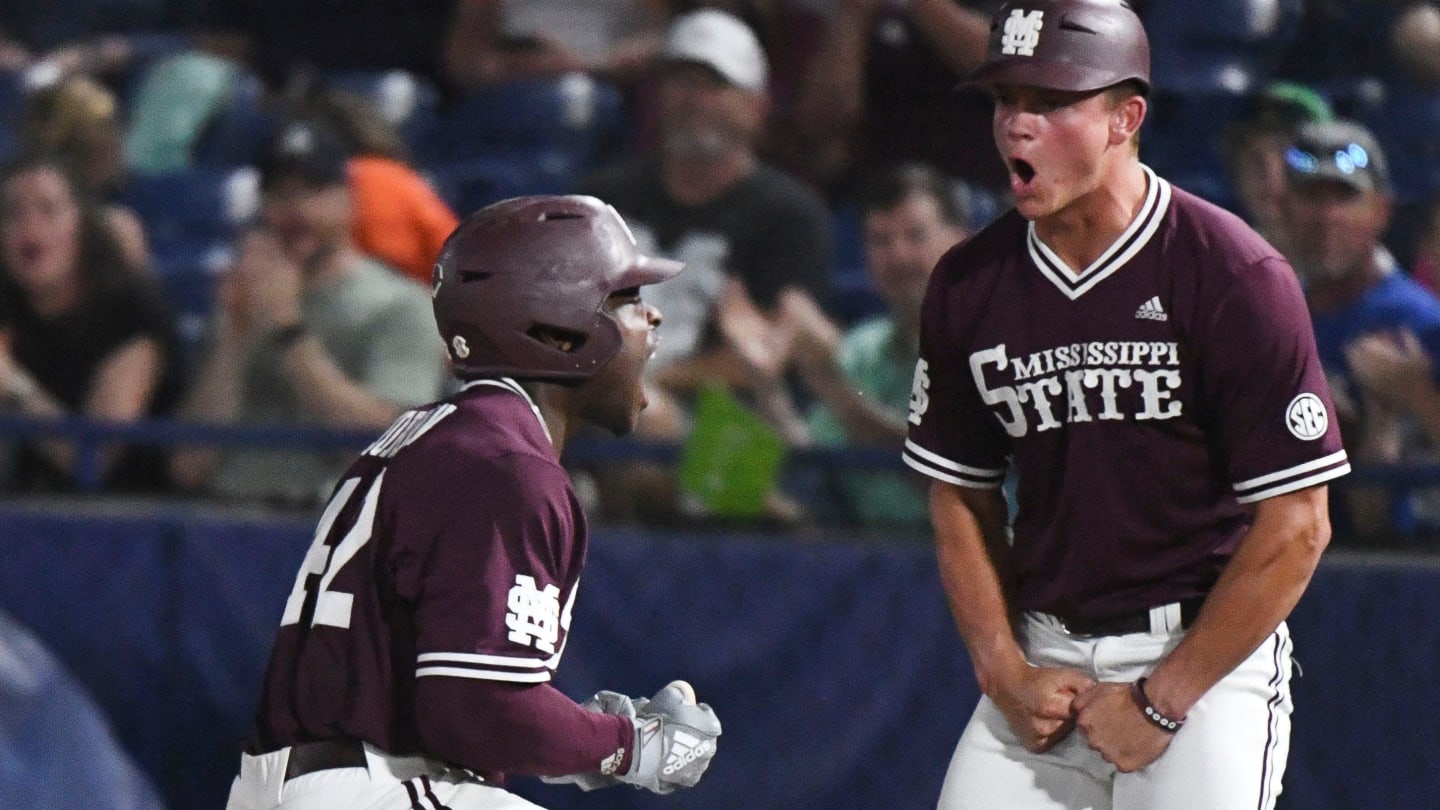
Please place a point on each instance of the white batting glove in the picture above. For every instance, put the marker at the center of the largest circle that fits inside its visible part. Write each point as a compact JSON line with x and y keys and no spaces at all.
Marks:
{"x":675,"y":740}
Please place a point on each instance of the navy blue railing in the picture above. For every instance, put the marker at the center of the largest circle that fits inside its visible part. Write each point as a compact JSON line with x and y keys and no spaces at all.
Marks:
{"x":91,"y":435}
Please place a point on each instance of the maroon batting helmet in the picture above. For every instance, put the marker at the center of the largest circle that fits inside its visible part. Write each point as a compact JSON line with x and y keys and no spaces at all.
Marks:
{"x":520,"y":286}
{"x":1078,"y":45}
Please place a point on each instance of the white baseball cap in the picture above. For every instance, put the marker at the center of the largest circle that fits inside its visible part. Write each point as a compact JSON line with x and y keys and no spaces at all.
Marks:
{"x":719,"y":41}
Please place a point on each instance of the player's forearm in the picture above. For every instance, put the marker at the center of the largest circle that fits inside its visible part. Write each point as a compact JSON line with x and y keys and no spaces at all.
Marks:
{"x":864,"y":421}
{"x":328,"y":394}
{"x":970,"y":547}
{"x":831,"y":95}
{"x":1258,"y":589}
{"x":526,"y":729}
{"x":216,"y":394}
{"x":958,"y":34}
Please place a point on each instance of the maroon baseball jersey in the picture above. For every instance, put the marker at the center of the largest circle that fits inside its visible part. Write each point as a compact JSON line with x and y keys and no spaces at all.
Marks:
{"x":451,"y":549}
{"x":1142,"y":401}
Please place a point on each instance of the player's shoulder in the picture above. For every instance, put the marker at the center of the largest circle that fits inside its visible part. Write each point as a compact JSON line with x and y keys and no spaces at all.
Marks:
{"x":984,"y":253}
{"x":1201,"y":228}
{"x":489,"y":429}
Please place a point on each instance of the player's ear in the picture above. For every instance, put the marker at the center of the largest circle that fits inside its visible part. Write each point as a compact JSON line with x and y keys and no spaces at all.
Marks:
{"x":1126,"y":117}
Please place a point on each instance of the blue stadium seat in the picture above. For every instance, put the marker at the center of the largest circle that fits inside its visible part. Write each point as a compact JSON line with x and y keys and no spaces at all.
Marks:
{"x":407,"y":101}
{"x":524,"y":137}
{"x":186,"y":211}
{"x":1182,"y":139}
{"x":469,"y":185}
{"x":1220,"y":45}
{"x":239,"y":130}
{"x":572,"y":111}
{"x":1407,"y":124}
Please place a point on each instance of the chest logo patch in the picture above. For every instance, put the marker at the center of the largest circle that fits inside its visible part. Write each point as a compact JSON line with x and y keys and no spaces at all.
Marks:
{"x":1306,"y":417}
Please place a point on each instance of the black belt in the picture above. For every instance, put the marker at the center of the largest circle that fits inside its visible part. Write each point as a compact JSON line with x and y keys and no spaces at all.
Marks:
{"x":1137,"y":622}
{"x":324,"y":755}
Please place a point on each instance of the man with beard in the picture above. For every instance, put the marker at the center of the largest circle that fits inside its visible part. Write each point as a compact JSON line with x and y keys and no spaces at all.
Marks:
{"x":306,"y":331}
{"x":745,"y":230}
{"x":1377,"y":330}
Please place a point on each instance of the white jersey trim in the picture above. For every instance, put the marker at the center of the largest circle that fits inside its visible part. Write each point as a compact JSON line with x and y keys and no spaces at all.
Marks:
{"x":478,"y":658}
{"x":510,"y":385}
{"x":1293,"y":486}
{"x":507,"y":668}
{"x":485,"y":674}
{"x":1335,"y":457}
{"x":1131,"y":241}
{"x":1294,"y":478}
{"x":949,"y":471}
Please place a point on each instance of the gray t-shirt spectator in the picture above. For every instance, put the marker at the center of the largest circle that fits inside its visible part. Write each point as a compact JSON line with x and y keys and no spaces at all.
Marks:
{"x":379,"y":329}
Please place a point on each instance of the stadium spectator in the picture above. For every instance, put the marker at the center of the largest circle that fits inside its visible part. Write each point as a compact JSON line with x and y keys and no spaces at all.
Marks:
{"x":46,"y":41}
{"x":860,"y":378}
{"x":81,"y":331}
{"x":504,"y":40}
{"x":881,"y":87}
{"x":745,"y":230}
{"x":1254,"y":152}
{"x":1365,"y":310}
{"x":278,"y":38}
{"x":398,"y":216}
{"x":1426,"y":269}
{"x":78,"y":120}
{"x":307,"y":332}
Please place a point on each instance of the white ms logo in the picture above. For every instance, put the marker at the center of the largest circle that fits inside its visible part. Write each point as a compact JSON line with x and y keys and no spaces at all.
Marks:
{"x":920,"y":392}
{"x":1022,"y":32}
{"x":1306,"y":417}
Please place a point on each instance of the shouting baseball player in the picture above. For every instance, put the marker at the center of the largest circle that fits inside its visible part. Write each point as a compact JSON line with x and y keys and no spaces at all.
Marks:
{"x":1146,"y":363}
{"x":412,"y":664}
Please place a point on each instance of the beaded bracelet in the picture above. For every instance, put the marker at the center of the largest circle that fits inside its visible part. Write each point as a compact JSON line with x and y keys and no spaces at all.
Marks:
{"x":1156,"y":718}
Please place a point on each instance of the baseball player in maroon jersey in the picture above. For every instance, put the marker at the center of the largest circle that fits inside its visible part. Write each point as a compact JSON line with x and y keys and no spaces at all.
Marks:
{"x":412,"y":664}
{"x":1146,"y":365}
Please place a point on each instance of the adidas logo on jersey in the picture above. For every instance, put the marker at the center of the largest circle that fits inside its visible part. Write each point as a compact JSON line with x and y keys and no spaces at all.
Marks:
{"x":1152,"y":311}
{"x":685,"y":749}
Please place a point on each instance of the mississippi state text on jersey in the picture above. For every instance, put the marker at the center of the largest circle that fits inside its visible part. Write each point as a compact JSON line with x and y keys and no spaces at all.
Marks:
{"x":1143,"y":400}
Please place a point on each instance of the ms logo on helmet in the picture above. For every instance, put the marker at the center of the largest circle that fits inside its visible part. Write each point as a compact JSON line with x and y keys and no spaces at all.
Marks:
{"x":1022,"y":32}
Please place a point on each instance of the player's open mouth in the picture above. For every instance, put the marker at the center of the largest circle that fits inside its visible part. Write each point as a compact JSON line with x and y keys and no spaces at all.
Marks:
{"x":1022,"y":170}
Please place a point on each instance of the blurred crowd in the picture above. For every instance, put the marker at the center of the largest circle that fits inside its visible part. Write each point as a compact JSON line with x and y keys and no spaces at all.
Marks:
{"x":225,"y":213}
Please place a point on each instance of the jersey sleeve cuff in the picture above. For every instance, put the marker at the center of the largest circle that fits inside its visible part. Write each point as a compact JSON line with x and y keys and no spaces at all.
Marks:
{"x":1294,"y":478}
{"x":952,"y":472}
{"x":502,"y":668}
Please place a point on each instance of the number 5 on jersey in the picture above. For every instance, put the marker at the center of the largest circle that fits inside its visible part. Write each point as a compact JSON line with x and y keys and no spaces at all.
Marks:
{"x":332,"y":608}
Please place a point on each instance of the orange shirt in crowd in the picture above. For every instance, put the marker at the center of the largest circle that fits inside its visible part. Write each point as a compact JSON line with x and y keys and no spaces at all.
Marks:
{"x":399,"y":219}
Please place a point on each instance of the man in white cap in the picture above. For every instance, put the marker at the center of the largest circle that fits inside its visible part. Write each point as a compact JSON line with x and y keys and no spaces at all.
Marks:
{"x":745,"y":230}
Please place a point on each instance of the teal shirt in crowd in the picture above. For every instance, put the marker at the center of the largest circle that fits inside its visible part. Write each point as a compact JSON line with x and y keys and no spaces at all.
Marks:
{"x":873,"y":363}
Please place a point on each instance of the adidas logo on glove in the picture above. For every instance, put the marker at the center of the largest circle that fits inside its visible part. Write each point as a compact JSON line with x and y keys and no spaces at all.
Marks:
{"x":686,"y":749}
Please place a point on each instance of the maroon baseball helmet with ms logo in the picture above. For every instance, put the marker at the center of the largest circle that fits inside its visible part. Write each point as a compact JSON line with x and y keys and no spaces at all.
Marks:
{"x":1077,"y":45}
{"x":520,"y":287}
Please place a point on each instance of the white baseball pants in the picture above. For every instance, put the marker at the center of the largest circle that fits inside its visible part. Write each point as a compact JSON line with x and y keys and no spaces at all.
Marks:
{"x":1230,"y":754}
{"x":386,"y":783}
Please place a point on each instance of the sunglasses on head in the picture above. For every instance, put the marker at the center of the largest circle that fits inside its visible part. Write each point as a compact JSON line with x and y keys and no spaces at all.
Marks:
{"x":1349,"y":159}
